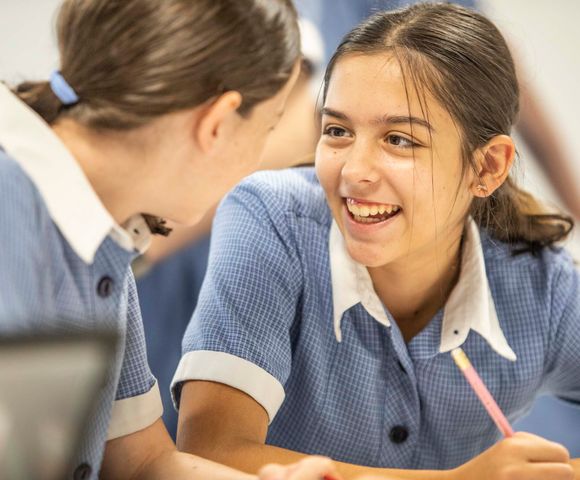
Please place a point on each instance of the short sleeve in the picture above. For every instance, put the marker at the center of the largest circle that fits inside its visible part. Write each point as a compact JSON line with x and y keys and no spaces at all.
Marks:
{"x":563,"y":362}
{"x":138,"y":400}
{"x":240,"y":332}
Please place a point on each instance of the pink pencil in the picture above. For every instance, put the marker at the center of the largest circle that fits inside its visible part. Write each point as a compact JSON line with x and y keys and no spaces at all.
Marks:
{"x":482,"y":392}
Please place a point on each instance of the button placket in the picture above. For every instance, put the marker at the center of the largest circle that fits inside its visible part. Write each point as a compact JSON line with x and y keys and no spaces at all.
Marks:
{"x":407,"y":419}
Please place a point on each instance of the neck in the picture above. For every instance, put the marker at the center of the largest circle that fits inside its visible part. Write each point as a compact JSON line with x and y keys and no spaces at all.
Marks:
{"x":416,"y":287}
{"x":109,"y":163}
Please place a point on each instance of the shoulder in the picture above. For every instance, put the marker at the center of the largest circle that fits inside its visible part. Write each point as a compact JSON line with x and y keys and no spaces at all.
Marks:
{"x":547,"y":262}
{"x":26,"y":228}
{"x":20,"y":201}
{"x":538,"y":279}
{"x":24,"y":254}
{"x":295,"y":192}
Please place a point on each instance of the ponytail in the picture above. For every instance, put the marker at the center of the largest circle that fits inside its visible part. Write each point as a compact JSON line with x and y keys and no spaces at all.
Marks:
{"x":514,"y":216}
{"x":40,"y":97}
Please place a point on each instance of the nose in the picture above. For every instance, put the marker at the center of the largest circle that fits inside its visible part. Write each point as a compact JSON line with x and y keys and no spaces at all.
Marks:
{"x":360,"y":165}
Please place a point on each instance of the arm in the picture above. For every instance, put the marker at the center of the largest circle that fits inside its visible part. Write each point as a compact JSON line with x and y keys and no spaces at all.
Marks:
{"x":150,"y":454}
{"x":226,"y":425}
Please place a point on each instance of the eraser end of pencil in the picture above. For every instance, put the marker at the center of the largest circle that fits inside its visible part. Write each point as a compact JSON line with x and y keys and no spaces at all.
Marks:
{"x":460,"y":358}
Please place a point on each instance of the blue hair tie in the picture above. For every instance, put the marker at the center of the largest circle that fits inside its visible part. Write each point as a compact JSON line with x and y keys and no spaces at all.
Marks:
{"x":62,"y":89}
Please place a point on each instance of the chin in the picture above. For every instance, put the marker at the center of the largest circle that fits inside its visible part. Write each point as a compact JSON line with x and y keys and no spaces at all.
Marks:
{"x":187,"y":219}
{"x":371,"y":256}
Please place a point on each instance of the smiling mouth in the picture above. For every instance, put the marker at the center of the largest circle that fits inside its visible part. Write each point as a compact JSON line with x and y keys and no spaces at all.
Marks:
{"x":371,"y":212}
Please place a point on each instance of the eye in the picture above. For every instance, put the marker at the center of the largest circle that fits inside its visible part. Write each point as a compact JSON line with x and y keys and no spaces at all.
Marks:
{"x":336,"y":132}
{"x":400,"y":142}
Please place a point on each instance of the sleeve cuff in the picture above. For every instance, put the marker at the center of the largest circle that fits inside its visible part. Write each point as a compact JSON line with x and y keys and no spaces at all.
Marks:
{"x":233,"y":371}
{"x":135,"y":413}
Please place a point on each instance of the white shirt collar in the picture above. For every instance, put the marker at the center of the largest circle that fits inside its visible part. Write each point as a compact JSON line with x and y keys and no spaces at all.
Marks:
{"x":69,"y":197}
{"x":469,"y":307}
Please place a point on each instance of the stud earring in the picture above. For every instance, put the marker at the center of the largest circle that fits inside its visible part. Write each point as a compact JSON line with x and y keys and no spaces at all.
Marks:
{"x":482,"y":189}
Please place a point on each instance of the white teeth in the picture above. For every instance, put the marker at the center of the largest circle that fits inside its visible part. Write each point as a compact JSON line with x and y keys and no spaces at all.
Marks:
{"x":366,"y":219}
{"x":363,"y":211}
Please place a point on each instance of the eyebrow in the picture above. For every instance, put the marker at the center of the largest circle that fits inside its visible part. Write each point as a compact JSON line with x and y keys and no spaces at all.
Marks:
{"x":385,"y":119}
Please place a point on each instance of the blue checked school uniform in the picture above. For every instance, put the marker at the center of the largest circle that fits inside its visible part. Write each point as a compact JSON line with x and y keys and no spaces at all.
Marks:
{"x":65,"y":267}
{"x":286,"y":316}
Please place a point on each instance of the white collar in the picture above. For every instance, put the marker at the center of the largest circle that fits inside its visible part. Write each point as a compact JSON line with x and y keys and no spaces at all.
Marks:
{"x":69,"y":197}
{"x":469,"y":307}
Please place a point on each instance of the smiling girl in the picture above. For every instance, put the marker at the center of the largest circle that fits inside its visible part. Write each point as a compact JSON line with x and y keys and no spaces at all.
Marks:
{"x":333,"y":297}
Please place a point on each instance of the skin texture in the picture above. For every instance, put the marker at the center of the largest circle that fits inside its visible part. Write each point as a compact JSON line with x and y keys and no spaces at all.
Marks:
{"x":365,"y":154}
{"x":292,"y":142}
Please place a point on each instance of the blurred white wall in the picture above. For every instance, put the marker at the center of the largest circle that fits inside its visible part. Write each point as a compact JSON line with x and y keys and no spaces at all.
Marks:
{"x":28,"y":48}
{"x":545,"y":38}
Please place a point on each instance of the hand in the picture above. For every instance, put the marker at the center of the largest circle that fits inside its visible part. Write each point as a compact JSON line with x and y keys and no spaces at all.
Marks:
{"x":310,"y":468}
{"x":521,"y":457}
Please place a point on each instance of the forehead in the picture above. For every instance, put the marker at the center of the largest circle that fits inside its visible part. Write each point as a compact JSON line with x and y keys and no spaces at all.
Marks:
{"x":371,"y":85}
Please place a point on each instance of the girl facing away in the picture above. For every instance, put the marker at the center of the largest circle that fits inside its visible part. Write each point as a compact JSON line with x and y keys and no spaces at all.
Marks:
{"x":333,"y":296}
{"x":159,"y":108}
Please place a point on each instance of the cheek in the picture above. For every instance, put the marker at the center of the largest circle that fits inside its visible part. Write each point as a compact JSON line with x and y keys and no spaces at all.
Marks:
{"x":441,"y":203}
{"x":451,"y":193}
{"x":253,"y":151}
{"x":408,"y":182}
{"x":328,"y":169}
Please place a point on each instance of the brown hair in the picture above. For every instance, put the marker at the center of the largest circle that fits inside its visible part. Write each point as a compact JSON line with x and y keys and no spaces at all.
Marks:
{"x":461,"y":58}
{"x":130,"y":61}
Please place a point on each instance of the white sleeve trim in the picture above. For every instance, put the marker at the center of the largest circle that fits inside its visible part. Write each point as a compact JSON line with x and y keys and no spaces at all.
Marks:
{"x":132,"y":414}
{"x":233,"y":371}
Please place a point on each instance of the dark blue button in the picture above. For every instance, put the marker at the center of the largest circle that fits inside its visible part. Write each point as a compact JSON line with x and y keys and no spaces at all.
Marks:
{"x":105,"y":287}
{"x":82,"y":472}
{"x":398,"y":434}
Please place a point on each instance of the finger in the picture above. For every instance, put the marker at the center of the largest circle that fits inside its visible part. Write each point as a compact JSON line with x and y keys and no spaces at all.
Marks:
{"x":314,"y":468}
{"x":538,"y":449}
{"x":552,"y":471}
{"x":273,"y":472}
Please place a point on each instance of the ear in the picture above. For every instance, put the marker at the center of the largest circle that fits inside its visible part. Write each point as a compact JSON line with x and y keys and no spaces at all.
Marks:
{"x":214,"y":117}
{"x":495,"y":160}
